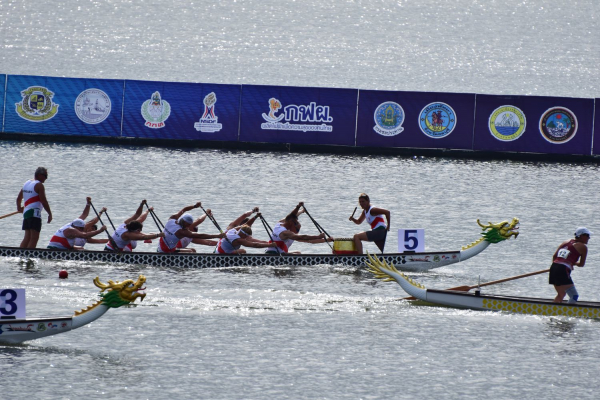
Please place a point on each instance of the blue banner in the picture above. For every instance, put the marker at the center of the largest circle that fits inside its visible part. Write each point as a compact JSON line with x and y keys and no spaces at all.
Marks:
{"x":533,"y":124}
{"x":183,"y":111}
{"x":415,"y":119}
{"x":2,"y":86}
{"x":63,"y":106}
{"x":280,"y":114}
{"x":596,"y":143}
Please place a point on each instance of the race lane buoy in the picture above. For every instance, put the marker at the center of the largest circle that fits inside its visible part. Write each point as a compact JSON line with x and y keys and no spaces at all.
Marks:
{"x":63,"y":274}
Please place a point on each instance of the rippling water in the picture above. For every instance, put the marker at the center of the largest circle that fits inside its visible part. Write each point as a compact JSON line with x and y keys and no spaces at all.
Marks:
{"x":304,"y":332}
{"x":307,"y":332}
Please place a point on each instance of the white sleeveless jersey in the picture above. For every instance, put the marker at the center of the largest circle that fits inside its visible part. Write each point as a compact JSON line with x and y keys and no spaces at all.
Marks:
{"x":226,"y":247}
{"x":80,"y":242}
{"x":116,"y":237}
{"x":168,"y":244}
{"x":32,"y":207}
{"x":282,"y":245}
{"x":129,"y":248}
{"x":375,"y":221}
{"x":184,"y":242}
{"x":60,"y":241}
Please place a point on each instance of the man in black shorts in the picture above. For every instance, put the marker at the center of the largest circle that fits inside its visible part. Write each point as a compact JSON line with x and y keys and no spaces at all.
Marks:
{"x":570,"y":253}
{"x":34,"y":195}
{"x":374,"y":217}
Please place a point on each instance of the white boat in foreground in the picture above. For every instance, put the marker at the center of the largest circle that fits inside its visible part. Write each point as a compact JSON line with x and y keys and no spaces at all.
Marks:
{"x":117,"y":294}
{"x":481,"y":301}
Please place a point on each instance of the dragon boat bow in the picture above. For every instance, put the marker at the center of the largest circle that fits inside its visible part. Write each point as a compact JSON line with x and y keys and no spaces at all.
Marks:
{"x":117,"y":294}
{"x":480,"y":301}
{"x":492,"y":233}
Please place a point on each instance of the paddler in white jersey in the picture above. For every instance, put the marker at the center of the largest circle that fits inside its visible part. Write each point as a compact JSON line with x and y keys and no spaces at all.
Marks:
{"x":286,"y":231}
{"x":176,"y":229}
{"x":89,"y":227}
{"x":185,"y":242}
{"x":131,"y":231}
{"x":374,"y":217}
{"x":236,"y":238}
{"x":34,"y":195}
{"x":64,"y":238}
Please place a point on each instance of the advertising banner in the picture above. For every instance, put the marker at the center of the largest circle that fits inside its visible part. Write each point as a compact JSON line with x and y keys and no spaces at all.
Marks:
{"x":534,"y":124}
{"x":2,"y":86}
{"x":181,"y":111}
{"x":280,"y":114}
{"x":415,"y":119}
{"x":63,"y":106}
{"x":596,"y":143}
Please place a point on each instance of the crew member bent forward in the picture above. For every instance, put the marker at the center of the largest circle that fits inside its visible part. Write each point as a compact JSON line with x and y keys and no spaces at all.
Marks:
{"x":570,"y":253}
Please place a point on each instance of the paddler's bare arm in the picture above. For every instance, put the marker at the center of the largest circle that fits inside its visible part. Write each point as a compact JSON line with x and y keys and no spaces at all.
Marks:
{"x":86,"y":209}
{"x":185,"y":209}
{"x":19,"y":200}
{"x":582,"y":249}
{"x":42,"y":194}
{"x":137,"y":214}
{"x":358,"y":220}
{"x":141,"y":236}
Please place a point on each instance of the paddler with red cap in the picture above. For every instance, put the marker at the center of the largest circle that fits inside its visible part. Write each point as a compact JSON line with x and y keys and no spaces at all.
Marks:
{"x":176,"y":229}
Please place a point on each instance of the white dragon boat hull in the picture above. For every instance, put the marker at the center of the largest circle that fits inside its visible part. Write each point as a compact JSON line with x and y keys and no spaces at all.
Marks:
{"x":13,"y":331}
{"x":484,"y":302}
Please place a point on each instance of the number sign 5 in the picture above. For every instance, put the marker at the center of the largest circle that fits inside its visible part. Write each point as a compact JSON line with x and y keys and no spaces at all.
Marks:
{"x":12,"y":304}
{"x":411,"y":240}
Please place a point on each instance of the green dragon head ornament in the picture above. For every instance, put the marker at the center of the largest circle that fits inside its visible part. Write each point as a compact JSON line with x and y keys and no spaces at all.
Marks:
{"x":494,"y":233}
{"x":118,"y":293}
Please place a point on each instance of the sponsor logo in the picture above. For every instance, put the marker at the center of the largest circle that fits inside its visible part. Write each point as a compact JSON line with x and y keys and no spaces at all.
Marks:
{"x":507,"y":123}
{"x":92,"y":106}
{"x":52,"y":325}
{"x":208,"y":121}
{"x":558,"y":125}
{"x":156,"y":111}
{"x":37,"y":104}
{"x":41,"y":327}
{"x":63,"y":325}
{"x":310,"y":113}
{"x":28,"y":328}
{"x":389,"y":117}
{"x":437,"y":120}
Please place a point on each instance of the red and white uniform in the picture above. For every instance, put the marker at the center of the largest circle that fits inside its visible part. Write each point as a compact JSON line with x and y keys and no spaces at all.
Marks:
{"x":226,"y":247}
{"x":116,"y":237}
{"x":33,"y":206}
{"x":132,"y":245}
{"x":376,"y":221}
{"x":567,"y":255}
{"x":282,"y":245}
{"x":184,"y":242}
{"x":168,"y":244}
{"x":60,"y":241}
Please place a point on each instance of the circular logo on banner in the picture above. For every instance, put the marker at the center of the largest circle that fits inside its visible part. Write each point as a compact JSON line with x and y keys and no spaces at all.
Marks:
{"x":37,"y":104}
{"x":389,"y":117}
{"x":92,"y":106}
{"x":507,"y":123}
{"x":437,"y":120}
{"x":558,"y":125}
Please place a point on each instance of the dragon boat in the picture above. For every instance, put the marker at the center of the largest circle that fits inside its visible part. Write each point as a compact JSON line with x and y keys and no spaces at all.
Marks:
{"x":491,"y":233}
{"x":117,"y":294}
{"x":479,"y":300}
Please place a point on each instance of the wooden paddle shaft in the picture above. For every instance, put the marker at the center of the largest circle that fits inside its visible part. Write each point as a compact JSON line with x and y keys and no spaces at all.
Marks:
{"x":9,"y":214}
{"x":355,"y":208}
{"x":467,"y":288}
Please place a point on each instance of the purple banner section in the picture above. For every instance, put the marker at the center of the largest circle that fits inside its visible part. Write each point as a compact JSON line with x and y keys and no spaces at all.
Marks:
{"x":63,"y":106}
{"x":183,"y":111}
{"x":596,"y":143}
{"x":534,"y":124}
{"x":415,"y":119}
{"x":279,"y":114}
{"x":2,"y":86}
